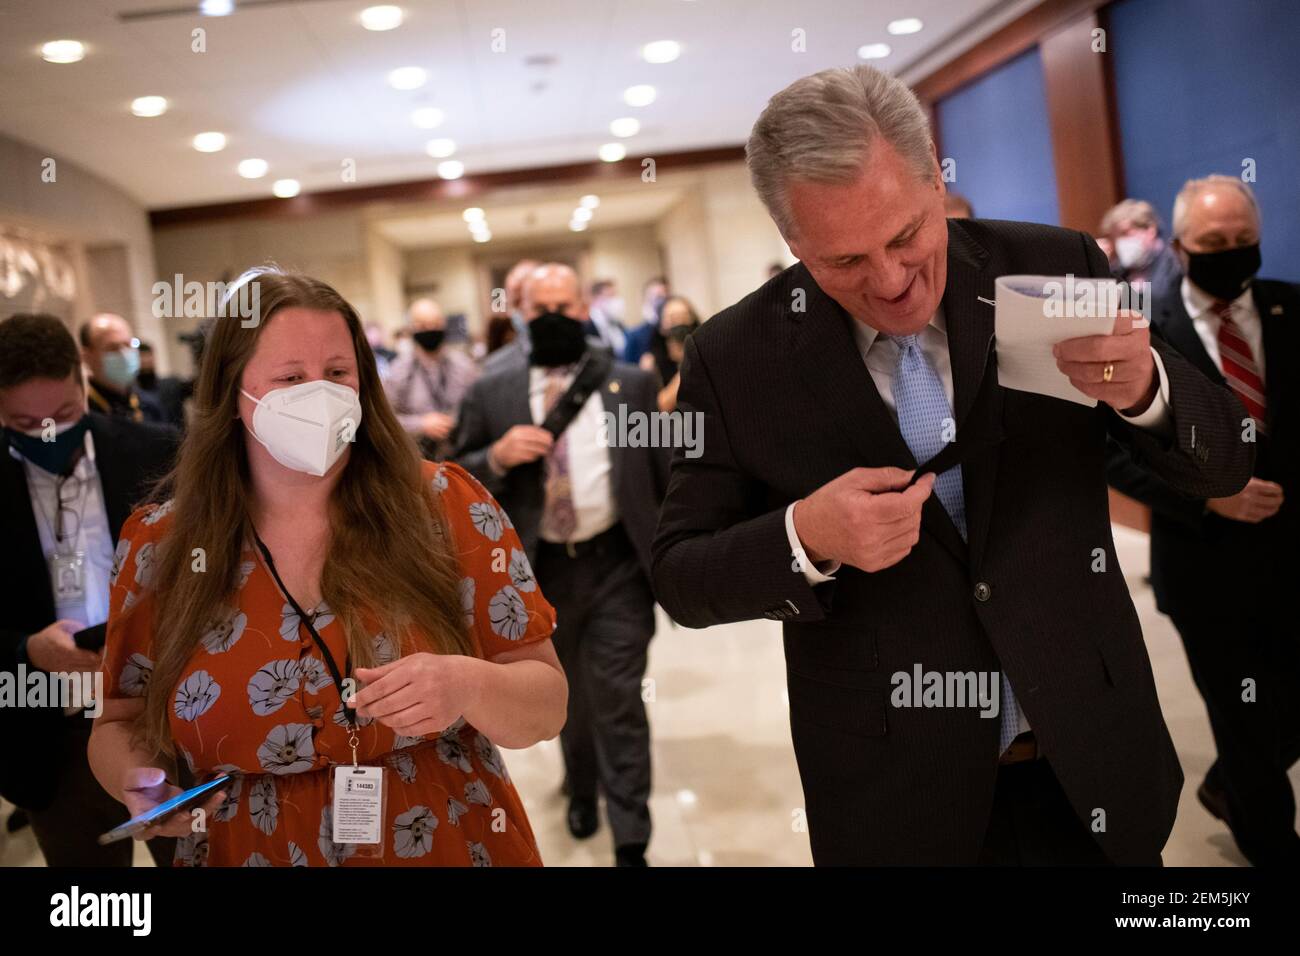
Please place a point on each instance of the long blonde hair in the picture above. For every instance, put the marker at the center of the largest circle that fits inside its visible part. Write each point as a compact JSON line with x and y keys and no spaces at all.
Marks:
{"x":390,"y":556}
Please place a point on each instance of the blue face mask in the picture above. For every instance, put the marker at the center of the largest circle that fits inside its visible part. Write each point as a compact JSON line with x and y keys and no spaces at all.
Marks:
{"x":52,"y":456}
{"x":121,"y":366}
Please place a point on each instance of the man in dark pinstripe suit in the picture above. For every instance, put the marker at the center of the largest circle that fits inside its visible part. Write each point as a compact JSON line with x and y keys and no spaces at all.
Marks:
{"x":877,"y":363}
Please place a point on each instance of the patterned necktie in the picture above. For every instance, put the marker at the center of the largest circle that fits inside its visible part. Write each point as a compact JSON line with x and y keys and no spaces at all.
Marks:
{"x":1239,"y":366}
{"x":925,"y":419}
{"x":559,"y":519}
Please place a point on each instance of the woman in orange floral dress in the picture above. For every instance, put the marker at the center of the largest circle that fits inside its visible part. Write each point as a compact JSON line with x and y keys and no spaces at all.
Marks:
{"x":310,"y":584}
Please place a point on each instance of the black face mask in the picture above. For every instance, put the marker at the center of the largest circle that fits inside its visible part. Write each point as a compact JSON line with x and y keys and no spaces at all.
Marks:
{"x":556,"y":340}
{"x":147,"y":380}
{"x":1225,"y":274}
{"x":52,"y":456}
{"x":680,"y":333}
{"x":429,"y":339}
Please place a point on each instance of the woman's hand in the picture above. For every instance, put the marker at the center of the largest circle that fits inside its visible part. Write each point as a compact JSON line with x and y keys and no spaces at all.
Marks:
{"x":421,"y":693}
{"x":143,"y":788}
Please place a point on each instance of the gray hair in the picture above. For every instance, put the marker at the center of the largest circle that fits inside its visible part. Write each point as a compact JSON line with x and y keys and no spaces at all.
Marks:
{"x":1194,"y":187}
{"x":820,"y":128}
{"x":1139,"y":212}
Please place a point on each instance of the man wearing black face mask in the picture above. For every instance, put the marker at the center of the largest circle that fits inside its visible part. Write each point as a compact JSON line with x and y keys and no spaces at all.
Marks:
{"x":427,"y":386}
{"x":535,"y":429}
{"x":1225,"y":569}
{"x":68,"y":480}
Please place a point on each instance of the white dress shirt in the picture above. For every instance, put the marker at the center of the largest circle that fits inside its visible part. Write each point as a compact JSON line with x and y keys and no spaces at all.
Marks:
{"x":1207,"y":322}
{"x":93,"y":537}
{"x":589,"y":459}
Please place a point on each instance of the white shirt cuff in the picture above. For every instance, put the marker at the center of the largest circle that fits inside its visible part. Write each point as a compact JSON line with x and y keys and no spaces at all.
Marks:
{"x":811,"y":573}
{"x":1156,"y":417}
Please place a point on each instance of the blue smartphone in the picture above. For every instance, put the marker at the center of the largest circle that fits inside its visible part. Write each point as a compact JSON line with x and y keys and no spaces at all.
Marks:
{"x":182,"y":801}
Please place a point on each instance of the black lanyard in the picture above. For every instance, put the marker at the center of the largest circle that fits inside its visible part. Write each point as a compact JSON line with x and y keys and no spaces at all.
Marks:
{"x":348,"y":712}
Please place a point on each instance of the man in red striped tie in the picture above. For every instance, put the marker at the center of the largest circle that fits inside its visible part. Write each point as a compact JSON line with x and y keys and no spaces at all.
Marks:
{"x":1225,"y":569}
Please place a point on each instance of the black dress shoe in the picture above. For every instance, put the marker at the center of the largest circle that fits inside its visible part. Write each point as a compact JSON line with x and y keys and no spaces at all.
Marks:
{"x":1215,"y":801}
{"x":17,"y":820}
{"x":582,"y":818}
{"x":631,"y":854}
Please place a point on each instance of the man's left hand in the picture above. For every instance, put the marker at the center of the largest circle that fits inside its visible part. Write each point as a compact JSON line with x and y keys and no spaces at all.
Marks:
{"x":1127,"y":350}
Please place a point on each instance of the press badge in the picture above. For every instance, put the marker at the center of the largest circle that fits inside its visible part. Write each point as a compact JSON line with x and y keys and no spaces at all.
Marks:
{"x":68,"y":578}
{"x":358,"y":804}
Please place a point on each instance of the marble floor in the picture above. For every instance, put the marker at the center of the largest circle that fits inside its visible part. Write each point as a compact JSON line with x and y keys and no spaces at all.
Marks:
{"x":726,"y":787}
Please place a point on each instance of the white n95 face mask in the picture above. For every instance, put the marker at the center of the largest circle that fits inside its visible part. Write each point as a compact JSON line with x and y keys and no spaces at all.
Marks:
{"x":307,"y":426}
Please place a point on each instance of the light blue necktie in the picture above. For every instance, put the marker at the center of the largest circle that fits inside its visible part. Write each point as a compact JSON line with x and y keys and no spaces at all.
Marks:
{"x":924,"y":416}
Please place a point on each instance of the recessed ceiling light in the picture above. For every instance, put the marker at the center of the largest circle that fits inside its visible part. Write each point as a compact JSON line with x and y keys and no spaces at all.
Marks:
{"x":210,"y":142}
{"x":577,"y":225}
{"x":427,"y":117}
{"x":217,"y":8}
{"x":149,"y":105}
{"x":63,"y":51}
{"x":874,"y":51}
{"x":473,"y":214}
{"x":661,"y":51}
{"x":451,"y":169}
{"x":642,"y":95}
{"x":476,"y":228}
{"x":440,"y":148}
{"x":482,"y":236}
{"x":286,"y":188}
{"x":904,"y":26}
{"x":589,"y":201}
{"x":383,"y":17}
{"x":581,"y":214}
{"x":408,"y":78}
{"x":613,"y":152}
{"x":625,"y":126}
{"x":253,"y":168}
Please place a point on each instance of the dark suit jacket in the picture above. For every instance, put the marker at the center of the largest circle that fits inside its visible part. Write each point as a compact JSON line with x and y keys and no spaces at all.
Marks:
{"x":499,"y":400}
{"x":788,"y":406}
{"x":1198,"y":559}
{"x":128,"y":457}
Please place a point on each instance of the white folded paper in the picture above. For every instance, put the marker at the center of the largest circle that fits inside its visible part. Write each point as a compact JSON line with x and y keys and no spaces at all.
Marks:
{"x":1033,"y":313}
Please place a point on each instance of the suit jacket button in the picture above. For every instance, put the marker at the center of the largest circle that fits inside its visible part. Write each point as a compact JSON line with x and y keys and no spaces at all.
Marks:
{"x":983,"y":592}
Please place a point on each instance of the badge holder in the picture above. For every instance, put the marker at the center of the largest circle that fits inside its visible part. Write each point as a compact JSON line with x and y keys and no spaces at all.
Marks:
{"x":68,"y":579}
{"x":359,"y":801}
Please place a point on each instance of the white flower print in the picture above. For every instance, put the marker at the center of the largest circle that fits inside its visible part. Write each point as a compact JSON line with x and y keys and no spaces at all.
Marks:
{"x":413,"y":832}
{"x":440,"y":480}
{"x":385,"y":650}
{"x":272,"y":685}
{"x":297,"y":856}
{"x":521,"y":572}
{"x":134,"y":679}
{"x":452,"y":752}
{"x":455,"y":810}
{"x":157,"y":514}
{"x":288,"y":748}
{"x":245,"y":571}
{"x":340,"y":717}
{"x":508,"y":614}
{"x":229,"y":806}
{"x":144,"y":564}
{"x":224,"y":631}
{"x":320,"y":616}
{"x":129,"y":600}
{"x":119,"y":558}
{"x":198,"y":693}
{"x":404,"y":764}
{"x":489,"y":755}
{"x":478,"y":854}
{"x":315,"y":677}
{"x":476,"y":791}
{"x":189,"y":760}
{"x":334,"y":853}
{"x":256,"y":859}
{"x":487,"y":519}
{"x":192,"y":849}
{"x":467,"y":600}
{"x":400,"y":742}
{"x":264,"y":804}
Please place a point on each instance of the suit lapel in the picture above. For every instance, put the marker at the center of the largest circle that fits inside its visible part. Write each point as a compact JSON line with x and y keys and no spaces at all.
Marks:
{"x":611,"y":396}
{"x":970,"y":325}
{"x":1274,"y":325}
{"x":1179,"y":330}
{"x":116,"y":486}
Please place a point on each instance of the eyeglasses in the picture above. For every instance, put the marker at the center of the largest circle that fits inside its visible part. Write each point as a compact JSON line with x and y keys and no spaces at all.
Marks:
{"x":66,"y":502}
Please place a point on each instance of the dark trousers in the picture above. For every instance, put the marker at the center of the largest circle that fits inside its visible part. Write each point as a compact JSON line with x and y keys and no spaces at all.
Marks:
{"x":1257,"y":740}
{"x":605,"y":620}
{"x":1033,"y":824}
{"x":67,"y":829}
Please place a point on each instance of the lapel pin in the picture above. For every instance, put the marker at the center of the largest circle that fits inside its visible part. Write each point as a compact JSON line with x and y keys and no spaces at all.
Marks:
{"x":986,"y":301}
{"x":1275,"y":310}
{"x":614,"y":386}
